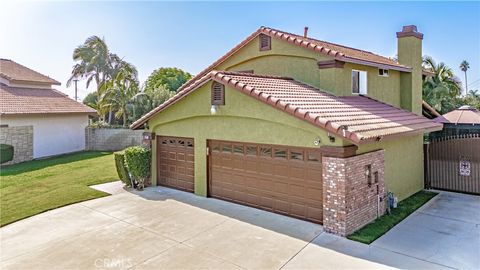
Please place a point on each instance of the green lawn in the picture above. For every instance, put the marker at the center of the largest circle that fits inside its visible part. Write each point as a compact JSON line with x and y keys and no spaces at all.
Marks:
{"x":33,"y":187}
{"x":379,"y":227}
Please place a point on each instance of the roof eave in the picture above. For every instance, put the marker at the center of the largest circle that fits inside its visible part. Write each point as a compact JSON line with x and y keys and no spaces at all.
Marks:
{"x":52,"y":82}
{"x":93,"y":113}
{"x":400,"y":134}
{"x":373,"y":64}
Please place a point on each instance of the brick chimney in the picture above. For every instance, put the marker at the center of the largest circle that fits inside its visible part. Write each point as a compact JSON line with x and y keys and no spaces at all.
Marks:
{"x":410,"y":54}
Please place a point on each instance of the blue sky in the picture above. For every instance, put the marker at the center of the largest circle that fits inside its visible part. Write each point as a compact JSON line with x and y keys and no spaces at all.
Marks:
{"x":191,"y":35}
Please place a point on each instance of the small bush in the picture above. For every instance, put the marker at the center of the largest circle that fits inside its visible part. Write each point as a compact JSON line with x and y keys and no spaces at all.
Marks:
{"x":138,"y":161}
{"x":6,"y":153}
{"x":121,"y":168}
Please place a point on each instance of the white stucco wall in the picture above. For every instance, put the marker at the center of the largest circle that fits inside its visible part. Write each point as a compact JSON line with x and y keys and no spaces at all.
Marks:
{"x":53,"y":134}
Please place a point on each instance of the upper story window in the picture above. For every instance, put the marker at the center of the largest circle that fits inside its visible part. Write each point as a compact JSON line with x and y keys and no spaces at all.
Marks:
{"x":359,"y":82}
{"x":265,"y":42}
{"x":218,"y":94}
{"x":383,"y":72}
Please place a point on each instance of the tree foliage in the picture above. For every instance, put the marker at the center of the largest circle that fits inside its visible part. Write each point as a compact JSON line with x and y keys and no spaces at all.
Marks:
{"x":121,"y":167}
{"x":442,"y":88}
{"x":117,"y":93}
{"x":166,"y":78}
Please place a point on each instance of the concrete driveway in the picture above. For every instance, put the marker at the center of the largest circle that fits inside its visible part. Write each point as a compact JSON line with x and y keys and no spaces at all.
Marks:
{"x":445,"y":231}
{"x":162,"y":228}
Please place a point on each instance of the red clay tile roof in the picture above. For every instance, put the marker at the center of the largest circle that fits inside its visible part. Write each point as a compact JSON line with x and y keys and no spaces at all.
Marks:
{"x":358,"y":119}
{"x":15,"y":72}
{"x":15,"y":100}
{"x":462,"y":115}
{"x":339,"y":52}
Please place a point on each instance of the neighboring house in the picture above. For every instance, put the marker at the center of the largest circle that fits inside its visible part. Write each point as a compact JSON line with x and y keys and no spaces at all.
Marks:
{"x":461,"y":121}
{"x":297,"y":126}
{"x":37,"y":119}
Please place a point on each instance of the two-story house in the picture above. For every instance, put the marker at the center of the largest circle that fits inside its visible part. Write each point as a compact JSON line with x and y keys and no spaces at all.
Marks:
{"x":297,"y":126}
{"x":37,"y":120}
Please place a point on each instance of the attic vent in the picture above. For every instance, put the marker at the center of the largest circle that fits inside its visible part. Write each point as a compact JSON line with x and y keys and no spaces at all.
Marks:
{"x":218,"y":94}
{"x":265,"y":42}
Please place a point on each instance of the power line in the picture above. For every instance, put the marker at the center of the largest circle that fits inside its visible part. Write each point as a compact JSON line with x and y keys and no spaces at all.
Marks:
{"x":474,"y":82}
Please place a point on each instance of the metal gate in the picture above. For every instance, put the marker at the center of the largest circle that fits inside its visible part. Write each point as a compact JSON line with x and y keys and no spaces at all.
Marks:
{"x":453,"y":163}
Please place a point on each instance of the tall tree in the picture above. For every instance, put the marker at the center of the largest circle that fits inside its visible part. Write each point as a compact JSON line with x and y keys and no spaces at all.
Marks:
{"x":440,"y":89}
{"x":94,"y":63}
{"x":464,"y":66}
{"x":117,"y":93}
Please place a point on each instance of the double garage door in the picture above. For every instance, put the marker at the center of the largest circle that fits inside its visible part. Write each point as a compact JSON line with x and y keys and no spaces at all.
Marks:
{"x":281,"y":179}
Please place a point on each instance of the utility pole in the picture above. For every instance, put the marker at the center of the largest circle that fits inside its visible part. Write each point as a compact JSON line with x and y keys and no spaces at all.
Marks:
{"x":76,"y":80}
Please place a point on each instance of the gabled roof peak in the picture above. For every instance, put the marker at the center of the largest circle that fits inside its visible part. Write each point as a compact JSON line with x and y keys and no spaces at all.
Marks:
{"x":16,"y":72}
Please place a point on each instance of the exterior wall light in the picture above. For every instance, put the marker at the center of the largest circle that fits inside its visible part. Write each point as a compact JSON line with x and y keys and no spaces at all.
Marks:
{"x":213,"y":109}
{"x":331,"y":137}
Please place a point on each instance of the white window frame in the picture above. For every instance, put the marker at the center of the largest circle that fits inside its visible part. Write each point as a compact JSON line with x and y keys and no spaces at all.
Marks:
{"x":363,"y":84}
{"x":384,"y":75}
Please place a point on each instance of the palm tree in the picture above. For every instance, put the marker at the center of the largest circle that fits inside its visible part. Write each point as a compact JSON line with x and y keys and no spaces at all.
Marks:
{"x":464,"y":66}
{"x":440,"y":89}
{"x":93,"y":61}
{"x":116,"y":94}
{"x":473,"y":93}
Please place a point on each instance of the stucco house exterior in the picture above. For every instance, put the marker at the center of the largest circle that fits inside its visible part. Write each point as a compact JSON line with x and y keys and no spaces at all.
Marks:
{"x":297,"y":126}
{"x":36,"y":119}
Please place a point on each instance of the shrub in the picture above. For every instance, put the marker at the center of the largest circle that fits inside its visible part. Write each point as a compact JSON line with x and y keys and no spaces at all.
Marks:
{"x":6,"y":153}
{"x":121,"y":168}
{"x":138,"y":161}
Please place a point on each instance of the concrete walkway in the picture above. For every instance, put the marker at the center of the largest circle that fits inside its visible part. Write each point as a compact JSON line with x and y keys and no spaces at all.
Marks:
{"x":162,"y":228}
{"x":445,"y":231}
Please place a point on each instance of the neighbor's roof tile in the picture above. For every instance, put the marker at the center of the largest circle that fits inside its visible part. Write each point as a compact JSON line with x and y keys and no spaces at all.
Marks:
{"x":15,"y":100}
{"x":462,"y":115}
{"x":13,"y":71}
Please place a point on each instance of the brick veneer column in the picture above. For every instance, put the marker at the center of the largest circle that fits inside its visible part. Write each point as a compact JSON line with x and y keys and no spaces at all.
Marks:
{"x":349,"y":202}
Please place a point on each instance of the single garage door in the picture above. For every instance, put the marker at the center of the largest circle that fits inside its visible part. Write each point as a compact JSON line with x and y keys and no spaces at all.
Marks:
{"x":175,"y":162}
{"x":282,"y":179}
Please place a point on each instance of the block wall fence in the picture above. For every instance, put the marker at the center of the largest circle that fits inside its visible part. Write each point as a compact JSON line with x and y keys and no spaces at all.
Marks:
{"x":21,"y":138}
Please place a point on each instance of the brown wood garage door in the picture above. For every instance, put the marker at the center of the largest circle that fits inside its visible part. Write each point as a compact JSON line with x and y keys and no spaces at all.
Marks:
{"x":175,"y":162}
{"x":281,"y":179}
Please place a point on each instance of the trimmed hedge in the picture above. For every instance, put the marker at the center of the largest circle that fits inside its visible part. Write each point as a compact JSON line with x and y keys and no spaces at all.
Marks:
{"x":6,"y":153}
{"x":122,"y":168}
{"x":138,"y":160}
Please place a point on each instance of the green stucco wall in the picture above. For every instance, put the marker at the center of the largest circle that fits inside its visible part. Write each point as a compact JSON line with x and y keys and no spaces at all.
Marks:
{"x":243,"y":118}
{"x":386,"y":89}
{"x":403,"y":164}
{"x":246,"y":119}
{"x":285,"y":59}
{"x":410,"y":54}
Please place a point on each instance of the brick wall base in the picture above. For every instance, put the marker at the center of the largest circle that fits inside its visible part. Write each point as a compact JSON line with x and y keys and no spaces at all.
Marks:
{"x":353,"y":191}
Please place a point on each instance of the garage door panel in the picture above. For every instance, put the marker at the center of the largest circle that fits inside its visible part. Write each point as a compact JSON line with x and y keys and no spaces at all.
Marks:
{"x":275,"y":178}
{"x":175,"y":162}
